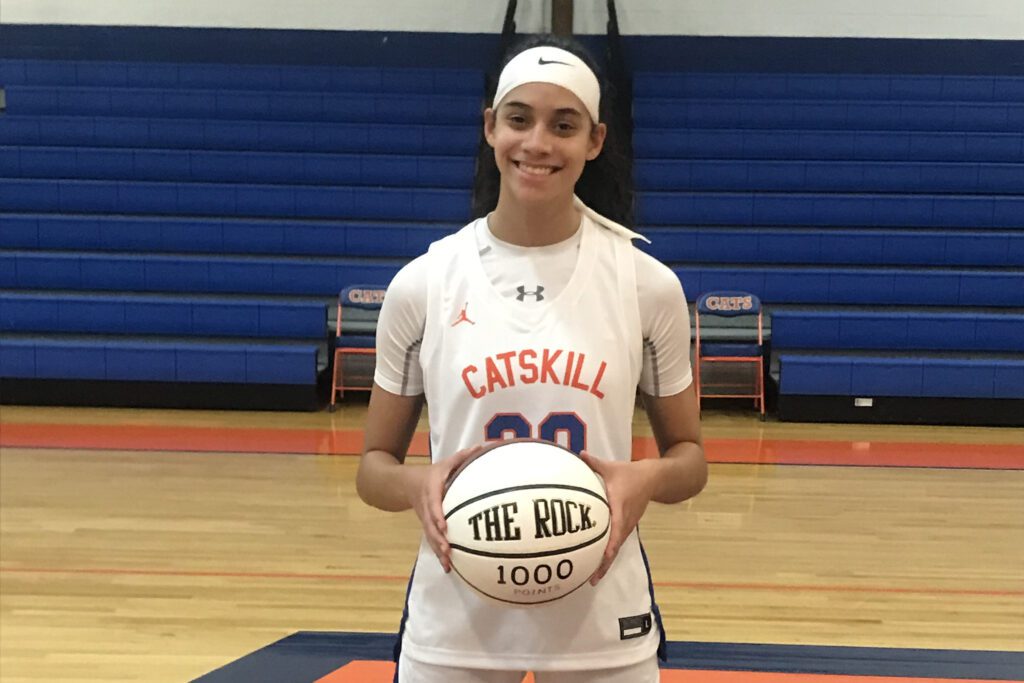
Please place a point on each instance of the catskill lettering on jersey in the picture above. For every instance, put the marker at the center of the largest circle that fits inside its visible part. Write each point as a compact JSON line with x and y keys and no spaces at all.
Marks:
{"x":529,"y":366}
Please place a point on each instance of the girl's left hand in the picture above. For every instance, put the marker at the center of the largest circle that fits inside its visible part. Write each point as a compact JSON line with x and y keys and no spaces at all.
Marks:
{"x":630,"y":487}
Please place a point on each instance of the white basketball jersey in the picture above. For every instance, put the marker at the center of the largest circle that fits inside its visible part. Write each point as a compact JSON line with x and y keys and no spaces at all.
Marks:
{"x":566,"y":371}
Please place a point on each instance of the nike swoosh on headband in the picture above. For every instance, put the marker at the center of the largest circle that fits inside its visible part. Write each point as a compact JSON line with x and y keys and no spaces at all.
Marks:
{"x":545,"y":62}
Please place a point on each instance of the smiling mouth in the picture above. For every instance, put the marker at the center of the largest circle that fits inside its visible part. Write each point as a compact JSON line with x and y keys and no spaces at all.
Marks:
{"x":535,"y":170}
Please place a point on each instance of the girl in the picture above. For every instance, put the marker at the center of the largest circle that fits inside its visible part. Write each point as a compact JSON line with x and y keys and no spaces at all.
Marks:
{"x":482,"y":328}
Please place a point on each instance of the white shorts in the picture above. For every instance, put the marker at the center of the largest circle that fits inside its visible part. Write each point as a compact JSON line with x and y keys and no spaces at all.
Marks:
{"x":413,"y":671}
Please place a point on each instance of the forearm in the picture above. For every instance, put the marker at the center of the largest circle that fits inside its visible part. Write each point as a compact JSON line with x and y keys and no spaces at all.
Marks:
{"x":679,"y":474}
{"x":384,"y":482}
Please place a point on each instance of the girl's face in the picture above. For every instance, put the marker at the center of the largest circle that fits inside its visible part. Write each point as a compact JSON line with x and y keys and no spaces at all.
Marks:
{"x":542,"y":136}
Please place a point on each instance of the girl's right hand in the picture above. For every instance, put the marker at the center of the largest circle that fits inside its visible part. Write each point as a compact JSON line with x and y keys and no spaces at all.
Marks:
{"x":425,"y":488}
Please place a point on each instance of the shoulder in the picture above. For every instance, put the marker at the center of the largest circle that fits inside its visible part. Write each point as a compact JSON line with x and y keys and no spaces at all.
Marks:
{"x":449,"y":245}
{"x":655,"y":280}
{"x":411,"y":280}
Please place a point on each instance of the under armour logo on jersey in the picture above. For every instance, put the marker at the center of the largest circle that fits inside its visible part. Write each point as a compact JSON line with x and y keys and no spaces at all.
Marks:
{"x":538,"y":293}
{"x":463,"y":318}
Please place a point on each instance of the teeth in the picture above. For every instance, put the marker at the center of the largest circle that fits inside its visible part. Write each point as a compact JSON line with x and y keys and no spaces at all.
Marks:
{"x":536,"y":170}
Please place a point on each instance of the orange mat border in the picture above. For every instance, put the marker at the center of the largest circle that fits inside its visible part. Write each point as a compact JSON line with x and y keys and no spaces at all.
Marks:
{"x":383,"y":672}
{"x":350,"y":441}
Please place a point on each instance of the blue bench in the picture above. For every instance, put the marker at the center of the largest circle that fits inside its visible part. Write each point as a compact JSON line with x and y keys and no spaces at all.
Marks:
{"x":211,"y":134}
{"x":164,"y":361}
{"x":831,"y":86}
{"x":201,"y":166}
{"x":828,"y":176}
{"x":840,"y":210}
{"x":406,"y":240}
{"x":218,"y":235}
{"x":141,"y":315}
{"x":910,"y":330}
{"x":226,"y":199}
{"x":911,"y":377}
{"x":861,"y":286}
{"x":321,"y":277}
{"x":823,"y":246}
{"x":709,"y":143}
{"x":835,"y":114}
{"x":245,"y":105}
{"x":238,"y":76}
{"x":199,"y":274}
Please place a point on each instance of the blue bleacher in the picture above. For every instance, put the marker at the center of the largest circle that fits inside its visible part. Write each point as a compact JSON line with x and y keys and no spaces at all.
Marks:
{"x":904,"y":377}
{"x":232,"y":199}
{"x":837,"y":197}
{"x":156,"y":215}
{"x":191,"y":222}
{"x":729,"y":175}
{"x":763,"y":113}
{"x":198,"y":166}
{"x":845,"y":286}
{"x":831,"y":209}
{"x":210,"y":235}
{"x":78,"y":271}
{"x":841,"y":145}
{"x":70,"y":313}
{"x":896,"y":87}
{"x":211,"y":134}
{"x":269,"y":105}
{"x":994,"y":332}
{"x":159,"y":361}
{"x":256,"y":77}
{"x":827,"y":246}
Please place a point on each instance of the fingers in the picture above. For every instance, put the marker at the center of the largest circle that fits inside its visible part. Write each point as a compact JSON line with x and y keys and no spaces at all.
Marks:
{"x":611,"y":551}
{"x":435,"y":524}
{"x":595,"y":464}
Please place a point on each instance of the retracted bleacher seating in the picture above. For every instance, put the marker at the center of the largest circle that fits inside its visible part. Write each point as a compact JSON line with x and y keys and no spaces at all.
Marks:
{"x":880,"y":218}
{"x":175,"y":234}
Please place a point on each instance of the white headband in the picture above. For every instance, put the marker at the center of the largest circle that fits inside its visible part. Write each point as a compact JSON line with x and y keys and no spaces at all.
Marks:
{"x":551,"y":65}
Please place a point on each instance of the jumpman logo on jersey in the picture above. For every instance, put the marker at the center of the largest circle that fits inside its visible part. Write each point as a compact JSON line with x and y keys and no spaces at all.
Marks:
{"x":463,"y":318}
{"x":537,"y":293}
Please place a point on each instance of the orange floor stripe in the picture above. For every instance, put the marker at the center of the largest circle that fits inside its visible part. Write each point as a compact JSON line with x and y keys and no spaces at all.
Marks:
{"x":349,"y":441}
{"x":383,"y":672}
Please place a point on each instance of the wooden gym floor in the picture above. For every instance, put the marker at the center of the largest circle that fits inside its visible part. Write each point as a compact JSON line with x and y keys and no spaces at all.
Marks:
{"x":160,"y":545}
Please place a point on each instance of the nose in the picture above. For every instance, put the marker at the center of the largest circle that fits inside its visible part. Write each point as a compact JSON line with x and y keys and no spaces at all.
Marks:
{"x":537,"y":140}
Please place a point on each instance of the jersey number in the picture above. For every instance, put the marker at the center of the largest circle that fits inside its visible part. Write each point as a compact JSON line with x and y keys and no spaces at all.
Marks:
{"x":565,"y":429}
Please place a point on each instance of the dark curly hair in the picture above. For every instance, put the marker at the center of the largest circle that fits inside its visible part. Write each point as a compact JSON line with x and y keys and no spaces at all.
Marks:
{"x":606,"y":185}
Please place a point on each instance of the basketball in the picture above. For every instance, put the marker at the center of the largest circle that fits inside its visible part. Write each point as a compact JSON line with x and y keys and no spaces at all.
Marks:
{"x":528,"y":522}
